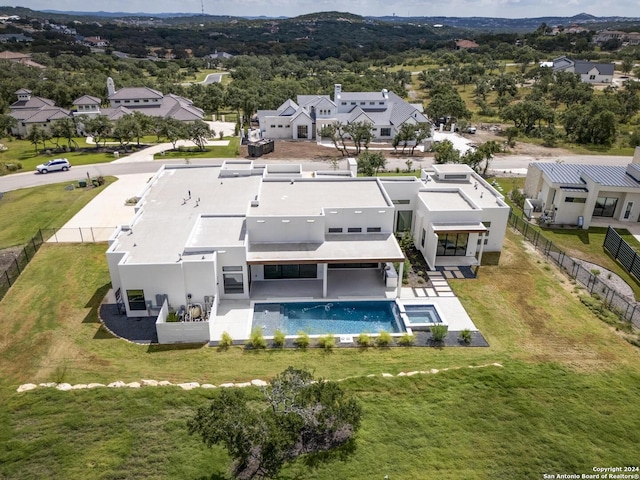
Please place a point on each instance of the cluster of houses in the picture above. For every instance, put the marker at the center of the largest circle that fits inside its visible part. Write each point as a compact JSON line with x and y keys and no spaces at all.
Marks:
{"x":30,"y":110}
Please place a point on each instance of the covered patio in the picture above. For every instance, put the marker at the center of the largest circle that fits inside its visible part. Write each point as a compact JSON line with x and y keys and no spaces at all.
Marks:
{"x":331,"y":282}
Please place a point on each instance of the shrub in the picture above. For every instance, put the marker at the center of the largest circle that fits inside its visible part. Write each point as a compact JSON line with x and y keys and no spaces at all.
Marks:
{"x":465,"y":336}
{"x":225,"y":341}
{"x":438,"y":333}
{"x":172,"y":317}
{"x":278,"y":339}
{"x":327,"y":342}
{"x":364,"y":340}
{"x":407,"y":340}
{"x":302,"y":341}
{"x":257,"y":339}
{"x":384,"y":339}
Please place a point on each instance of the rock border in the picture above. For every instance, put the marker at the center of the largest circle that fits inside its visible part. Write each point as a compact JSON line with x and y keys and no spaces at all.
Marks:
{"x":66,"y":387}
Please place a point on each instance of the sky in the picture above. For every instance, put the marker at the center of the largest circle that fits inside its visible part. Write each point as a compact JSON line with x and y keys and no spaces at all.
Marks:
{"x":377,"y":8}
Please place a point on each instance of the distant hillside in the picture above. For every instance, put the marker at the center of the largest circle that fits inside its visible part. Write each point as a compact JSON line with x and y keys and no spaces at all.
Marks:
{"x":516,"y":24}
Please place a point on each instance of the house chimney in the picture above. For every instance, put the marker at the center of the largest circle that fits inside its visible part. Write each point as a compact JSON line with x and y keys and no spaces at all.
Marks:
{"x":337,"y":89}
{"x":111,"y":88}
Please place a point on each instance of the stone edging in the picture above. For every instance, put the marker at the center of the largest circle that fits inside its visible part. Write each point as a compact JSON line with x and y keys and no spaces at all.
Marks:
{"x":65,"y":387}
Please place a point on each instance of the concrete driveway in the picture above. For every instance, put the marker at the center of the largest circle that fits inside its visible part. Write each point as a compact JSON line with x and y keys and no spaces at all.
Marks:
{"x":99,"y":218}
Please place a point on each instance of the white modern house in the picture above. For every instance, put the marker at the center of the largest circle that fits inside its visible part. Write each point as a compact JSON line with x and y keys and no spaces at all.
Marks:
{"x":202,"y":235}
{"x":574,"y":194}
{"x":303,"y":119}
{"x":590,"y":72}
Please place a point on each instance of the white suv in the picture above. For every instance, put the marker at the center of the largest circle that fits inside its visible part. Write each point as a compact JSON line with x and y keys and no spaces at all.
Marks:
{"x":53,"y":165}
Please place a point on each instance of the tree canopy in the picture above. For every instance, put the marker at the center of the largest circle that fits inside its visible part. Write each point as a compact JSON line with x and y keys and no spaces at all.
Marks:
{"x":295,"y":416}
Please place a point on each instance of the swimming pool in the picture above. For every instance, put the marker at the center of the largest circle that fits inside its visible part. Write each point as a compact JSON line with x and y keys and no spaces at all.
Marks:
{"x":319,"y":318}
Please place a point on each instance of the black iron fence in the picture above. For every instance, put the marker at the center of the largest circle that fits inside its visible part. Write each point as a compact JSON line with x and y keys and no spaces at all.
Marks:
{"x":20,"y":261}
{"x":623,"y":252}
{"x":626,"y":307}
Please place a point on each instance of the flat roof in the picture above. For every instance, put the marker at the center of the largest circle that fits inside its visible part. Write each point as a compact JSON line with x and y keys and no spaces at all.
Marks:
{"x":169,"y":216}
{"x":217,"y":231}
{"x":310,"y":196}
{"x":477,"y":190}
{"x":445,"y":200}
{"x":337,"y":248}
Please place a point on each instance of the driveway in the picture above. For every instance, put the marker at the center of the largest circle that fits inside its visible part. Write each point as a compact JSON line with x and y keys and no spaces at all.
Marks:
{"x":106,"y":211}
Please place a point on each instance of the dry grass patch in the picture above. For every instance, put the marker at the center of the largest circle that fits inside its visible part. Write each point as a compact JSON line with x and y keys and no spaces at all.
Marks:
{"x":521,"y":307}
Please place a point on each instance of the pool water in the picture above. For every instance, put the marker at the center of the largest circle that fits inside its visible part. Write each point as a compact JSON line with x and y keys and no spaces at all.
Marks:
{"x":422,"y":314}
{"x":319,"y":318}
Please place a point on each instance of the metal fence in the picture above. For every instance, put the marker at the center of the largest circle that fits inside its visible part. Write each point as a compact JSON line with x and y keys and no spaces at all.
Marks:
{"x":624,"y":306}
{"x":20,"y":261}
{"x":623,"y":252}
{"x":77,"y":235}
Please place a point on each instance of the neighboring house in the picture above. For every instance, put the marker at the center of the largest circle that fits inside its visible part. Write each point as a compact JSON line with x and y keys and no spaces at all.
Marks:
{"x":219,"y":56}
{"x":23,"y":58}
{"x":572,"y":194}
{"x":138,"y":99}
{"x":153,"y":103}
{"x":29,"y":111}
{"x":15,"y":37}
{"x":95,"y":42}
{"x":203,"y":235}
{"x":590,"y":72}
{"x":466,"y":45}
{"x":604,"y":36}
{"x":303,"y":119}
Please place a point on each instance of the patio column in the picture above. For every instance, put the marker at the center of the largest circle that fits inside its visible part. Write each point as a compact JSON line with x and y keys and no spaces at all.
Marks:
{"x":325,"y":274}
{"x":400,"y":273}
{"x":481,"y":248}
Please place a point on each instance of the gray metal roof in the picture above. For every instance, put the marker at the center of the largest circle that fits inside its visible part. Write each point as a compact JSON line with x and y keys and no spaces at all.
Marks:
{"x":570,"y":174}
{"x":584,"y":67}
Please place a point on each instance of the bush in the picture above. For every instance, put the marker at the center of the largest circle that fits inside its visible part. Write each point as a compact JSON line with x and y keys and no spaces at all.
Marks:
{"x":172,"y":317}
{"x":278,"y":339}
{"x":438,"y":333}
{"x":407,"y":340}
{"x":327,"y":342}
{"x":465,"y":336}
{"x":302,"y":341}
{"x":384,"y":339}
{"x":257,"y":339}
{"x":225,"y":341}
{"x":364,"y":340}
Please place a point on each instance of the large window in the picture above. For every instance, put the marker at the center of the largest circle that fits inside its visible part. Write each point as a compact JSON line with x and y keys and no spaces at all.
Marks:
{"x":233,"y":279}
{"x":303,"y":131}
{"x":605,"y":207}
{"x":385,"y":132}
{"x":452,"y":244}
{"x":275,"y":272}
{"x":136,"y":300}
{"x":403,"y":223}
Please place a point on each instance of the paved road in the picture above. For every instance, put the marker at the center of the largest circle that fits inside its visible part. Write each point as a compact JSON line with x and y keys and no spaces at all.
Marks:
{"x":515,"y":164}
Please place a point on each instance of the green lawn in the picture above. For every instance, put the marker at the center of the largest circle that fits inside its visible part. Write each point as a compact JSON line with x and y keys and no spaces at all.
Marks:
{"x":22,"y":151}
{"x":24,"y":211}
{"x":566,"y":399}
{"x":228,"y":151}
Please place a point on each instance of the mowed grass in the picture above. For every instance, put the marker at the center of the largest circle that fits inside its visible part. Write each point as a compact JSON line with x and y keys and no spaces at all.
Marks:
{"x":24,"y":152}
{"x":24,"y":211}
{"x":227,"y":151}
{"x":566,"y":398}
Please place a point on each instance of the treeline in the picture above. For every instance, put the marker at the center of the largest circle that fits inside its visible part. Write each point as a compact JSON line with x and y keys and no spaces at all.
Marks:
{"x":258,"y":82}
